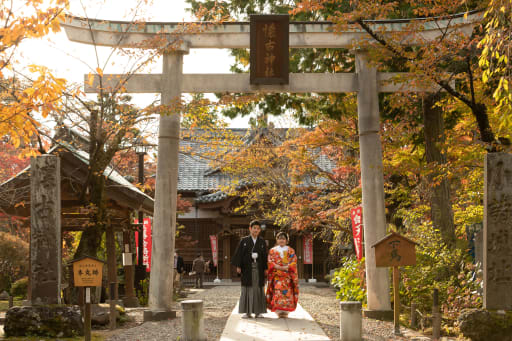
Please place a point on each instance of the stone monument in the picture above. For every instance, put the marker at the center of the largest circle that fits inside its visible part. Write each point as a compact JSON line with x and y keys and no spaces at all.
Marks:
{"x":498,"y":232}
{"x":45,"y":316}
{"x":45,"y":230}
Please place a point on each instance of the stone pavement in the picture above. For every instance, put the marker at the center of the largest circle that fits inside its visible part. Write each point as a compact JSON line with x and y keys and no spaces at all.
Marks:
{"x":298,"y":326}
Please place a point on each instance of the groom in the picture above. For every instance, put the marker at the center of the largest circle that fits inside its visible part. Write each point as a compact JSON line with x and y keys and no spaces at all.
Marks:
{"x":250,"y":260}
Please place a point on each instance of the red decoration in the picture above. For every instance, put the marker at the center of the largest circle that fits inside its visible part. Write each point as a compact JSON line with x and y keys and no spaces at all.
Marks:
{"x":308,"y":249}
{"x":357,"y":216}
{"x":213,"y":243}
{"x":146,"y":257}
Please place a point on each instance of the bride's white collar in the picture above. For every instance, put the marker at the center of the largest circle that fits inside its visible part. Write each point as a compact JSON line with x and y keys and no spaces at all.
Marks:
{"x":281,"y":249}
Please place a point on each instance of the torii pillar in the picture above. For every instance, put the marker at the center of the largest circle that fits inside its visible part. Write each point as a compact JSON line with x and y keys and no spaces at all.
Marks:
{"x":372,"y":180}
{"x":164,"y":221}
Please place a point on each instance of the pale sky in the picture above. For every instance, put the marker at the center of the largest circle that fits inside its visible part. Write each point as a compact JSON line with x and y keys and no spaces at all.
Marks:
{"x":69,"y":60}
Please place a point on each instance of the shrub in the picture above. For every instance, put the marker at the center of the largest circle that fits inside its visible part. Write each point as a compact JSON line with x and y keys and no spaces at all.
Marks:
{"x":144,"y":294}
{"x":349,"y":280}
{"x":449,"y":270}
{"x":20,"y":288}
{"x":13,"y":259}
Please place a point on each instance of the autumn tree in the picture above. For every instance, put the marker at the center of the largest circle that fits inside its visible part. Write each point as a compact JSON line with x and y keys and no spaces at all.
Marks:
{"x":23,"y":94}
{"x":13,"y":259}
{"x":450,"y":62}
{"x":495,"y":59}
{"x":12,"y":163}
{"x":108,"y":125}
{"x":296,"y":178}
{"x":452,"y":56}
{"x":451,"y":65}
{"x":111,"y":123}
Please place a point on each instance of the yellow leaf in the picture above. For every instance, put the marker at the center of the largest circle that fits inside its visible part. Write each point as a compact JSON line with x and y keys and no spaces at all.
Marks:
{"x":30,"y":91}
{"x":484,"y":77}
{"x":16,"y":142}
{"x":90,"y":79}
{"x":99,"y":71}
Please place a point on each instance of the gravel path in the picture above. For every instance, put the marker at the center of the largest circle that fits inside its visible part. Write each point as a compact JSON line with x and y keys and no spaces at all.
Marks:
{"x":219,"y":301}
{"x":322,"y":305}
{"x":218,"y":304}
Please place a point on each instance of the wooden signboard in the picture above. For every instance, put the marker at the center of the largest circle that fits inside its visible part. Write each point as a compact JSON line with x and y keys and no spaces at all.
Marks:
{"x":269,"y":49}
{"x":395,"y":250}
{"x":87,"y":272}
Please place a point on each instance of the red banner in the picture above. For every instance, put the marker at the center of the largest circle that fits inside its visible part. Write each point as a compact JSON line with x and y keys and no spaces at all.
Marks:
{"x":136,"y":221}
{"x":308,"y":249}
{"x":357,"y":216}
{"x":146,"y":256}
{"x":213,"y":243}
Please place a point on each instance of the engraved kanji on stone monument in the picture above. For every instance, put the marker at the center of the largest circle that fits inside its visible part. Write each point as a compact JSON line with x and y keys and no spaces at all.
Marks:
{"x":45,"y":230}
{"x":498,"y":232}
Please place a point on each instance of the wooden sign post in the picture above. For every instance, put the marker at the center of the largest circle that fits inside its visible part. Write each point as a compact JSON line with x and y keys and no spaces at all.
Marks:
{"x":395,"y":250}
{"x":87,"y":272}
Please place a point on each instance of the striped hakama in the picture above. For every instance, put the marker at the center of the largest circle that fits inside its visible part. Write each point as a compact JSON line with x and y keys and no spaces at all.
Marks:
{"x":252,"y":300}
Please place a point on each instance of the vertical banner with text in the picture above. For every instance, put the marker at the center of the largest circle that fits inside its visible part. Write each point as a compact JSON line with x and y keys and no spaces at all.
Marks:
{"x":308,"y":248}
{"x":146,"y":256}
{"x":356,"y":214}
{"x":213,"y":243}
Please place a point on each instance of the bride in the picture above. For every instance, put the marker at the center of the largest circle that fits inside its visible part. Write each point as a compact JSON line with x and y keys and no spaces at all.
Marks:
{"x":283,"y":282}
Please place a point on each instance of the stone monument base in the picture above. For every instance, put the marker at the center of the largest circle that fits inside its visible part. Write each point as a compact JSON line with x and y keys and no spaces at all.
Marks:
{"x":483,"y":325}
{"x":383,"y":315}
{"x":44,"y":320}
{"x":159,"y":315}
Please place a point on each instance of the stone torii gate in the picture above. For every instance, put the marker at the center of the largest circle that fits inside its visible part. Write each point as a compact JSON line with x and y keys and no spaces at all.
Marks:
{"x":367,"y":82}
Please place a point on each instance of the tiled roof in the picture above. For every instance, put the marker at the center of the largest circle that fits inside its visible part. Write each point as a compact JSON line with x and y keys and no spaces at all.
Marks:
{"x":212,"y":197}
{"x":197,"y":175}
{"x":109,"y":172}
{"x":117,"y":180}
{"x":195,"y":172}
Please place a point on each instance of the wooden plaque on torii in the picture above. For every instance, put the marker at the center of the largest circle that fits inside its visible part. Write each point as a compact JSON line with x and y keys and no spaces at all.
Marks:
{"x":269,"y":50}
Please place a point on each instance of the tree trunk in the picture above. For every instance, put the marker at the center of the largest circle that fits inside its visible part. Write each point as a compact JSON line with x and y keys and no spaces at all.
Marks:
{"x":111,"y":262}
{"x":482,"y":119}
{"x":440,"y":203}
{"x":91,"y":237}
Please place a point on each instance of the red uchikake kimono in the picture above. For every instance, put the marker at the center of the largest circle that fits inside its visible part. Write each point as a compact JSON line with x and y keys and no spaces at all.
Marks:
{"x":283,"y":286}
